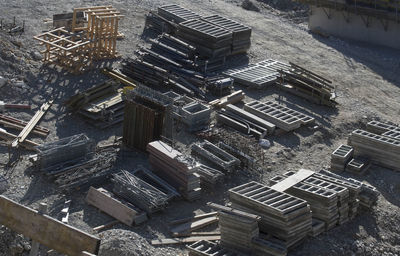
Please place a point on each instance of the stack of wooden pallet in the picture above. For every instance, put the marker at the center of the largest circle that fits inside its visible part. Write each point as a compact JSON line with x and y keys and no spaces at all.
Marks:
{"x":382,"y":150}
{"x":282,"y":215}
{"x":175,"y":168}
{"x":283,"y":117}
{"x":340,"y":158}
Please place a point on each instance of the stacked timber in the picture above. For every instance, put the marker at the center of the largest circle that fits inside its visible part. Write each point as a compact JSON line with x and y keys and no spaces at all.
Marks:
{"x":340,"y":158}
{"x":238,"y":230}
{"x":307,"y":84}
{"x":382,"y":150}
{"x":282,"y":215}
{"x":102,"y":105}
{"x":283,"y":117}
{"x":175,"y":168}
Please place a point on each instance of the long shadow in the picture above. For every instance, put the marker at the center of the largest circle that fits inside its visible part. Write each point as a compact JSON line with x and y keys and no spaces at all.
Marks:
{"x":382,"y":60}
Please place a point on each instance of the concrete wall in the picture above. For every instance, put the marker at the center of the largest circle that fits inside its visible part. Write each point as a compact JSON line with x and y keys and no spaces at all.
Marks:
{"x":355,"y":28}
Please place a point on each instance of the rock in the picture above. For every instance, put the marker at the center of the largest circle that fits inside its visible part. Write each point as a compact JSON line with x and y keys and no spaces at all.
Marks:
{"x":249,"y":5}
{"x":2,"y":81}
{"x":36,"y":55}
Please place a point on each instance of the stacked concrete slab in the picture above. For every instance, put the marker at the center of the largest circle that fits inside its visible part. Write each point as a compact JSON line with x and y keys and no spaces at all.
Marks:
{"x":175,"y":168}
{"x":340,"y":158}
{"x":282,"y":215}
{"x":283,"y":117}
{"x":215,"y":155}
{"x":382,"y":150}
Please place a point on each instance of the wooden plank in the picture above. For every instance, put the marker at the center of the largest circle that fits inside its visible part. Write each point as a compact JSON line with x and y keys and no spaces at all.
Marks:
{"x":99,"y":198}
{"x":201,"y":216}
{"x":292,"y":180}
{"x":234,"y":211}
{"x":191,"y":226}
{"x":107,"y":225}
{"x":210,"y":233}
{"x":46,"y":230}
{"x":32,"y":123}
{"x":186,"y":240}
{"x":28,"y":144}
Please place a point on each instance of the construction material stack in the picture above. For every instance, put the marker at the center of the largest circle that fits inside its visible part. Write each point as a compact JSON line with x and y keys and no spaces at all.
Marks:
{"x":382,"y":150}
{"x":283,"y":117}
{"x":340,"y":158}
{"x":175,"y":168}
{"x":207,"y":248}
{"x":282,"y":215}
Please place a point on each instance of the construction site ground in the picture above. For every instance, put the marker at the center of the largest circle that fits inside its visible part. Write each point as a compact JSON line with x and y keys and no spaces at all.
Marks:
{"x":368,"y":87}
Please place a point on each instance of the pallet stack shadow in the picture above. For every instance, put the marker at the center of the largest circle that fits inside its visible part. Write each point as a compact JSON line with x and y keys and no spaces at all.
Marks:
{"x":73,"y":161}
{"x":283,"y":216}
{"x":145,"y":116}
{"x":175,"y":168}
{"x":143,"y":189}
{"x":102,"y":105}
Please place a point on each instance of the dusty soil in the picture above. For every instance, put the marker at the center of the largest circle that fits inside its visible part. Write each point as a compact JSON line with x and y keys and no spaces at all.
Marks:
{"x":367,"y":82}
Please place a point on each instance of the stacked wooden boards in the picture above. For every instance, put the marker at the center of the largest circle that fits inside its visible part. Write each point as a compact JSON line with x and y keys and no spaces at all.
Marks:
{"x":282,"y":215}
{"x":175,"y":168}
{"x":283,"y":117}
{"x":382,"y":150}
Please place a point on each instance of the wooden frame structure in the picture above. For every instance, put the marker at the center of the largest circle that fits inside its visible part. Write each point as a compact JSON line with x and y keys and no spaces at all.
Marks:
{"x":62,"y":48}
{"x":95,"y":40}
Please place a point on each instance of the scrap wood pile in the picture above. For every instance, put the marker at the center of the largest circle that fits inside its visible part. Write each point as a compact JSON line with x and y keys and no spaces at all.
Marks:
{"x":307,"y":84}
{"x":73,"y":162}
{"x":176,"y":168}
{"x":144,"y":189}
{"x":101,"y":105}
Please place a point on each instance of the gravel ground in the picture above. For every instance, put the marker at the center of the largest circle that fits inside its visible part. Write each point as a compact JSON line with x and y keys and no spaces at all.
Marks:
{"x":367,"y":83}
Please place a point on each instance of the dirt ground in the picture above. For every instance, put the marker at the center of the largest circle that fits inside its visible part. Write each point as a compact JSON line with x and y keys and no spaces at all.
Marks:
{"x":368,"y":87}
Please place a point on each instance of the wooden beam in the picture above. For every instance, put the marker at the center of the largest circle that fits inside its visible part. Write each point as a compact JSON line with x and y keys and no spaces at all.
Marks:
{"x":32,"y":123}
{"x":46,"y":230}
{"x":233,"y":211}
{"x":292,"y":180}
{"x":207,"y":233}
{"x":191,"y":226}
{"x":201,"y":216}
{"x":28,"y":144}
{"x":101,"y":199}
{"x":184,"y":240}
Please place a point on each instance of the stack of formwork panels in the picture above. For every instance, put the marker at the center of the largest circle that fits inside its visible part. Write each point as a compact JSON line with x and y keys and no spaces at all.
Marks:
{"x":209,"y":176}
{"x":175,"y":168}
{"x":340,"y":158}
{"x":245,"y":121}
{"x":237,"y":231}
{"x":366,"y":195}
{"x":358,"y":166}
{"x":382,"y":150}
{"x":282,"y":215}
{"x":283,"y":117}
{"x":176,"y":13}
{"x":215,"y":155}
{"x":323,"y":202}
{"x":211,"y":40}
{"x":196,"y":116}
{"x":381,"y":127}
{"x":241,"y":33}
{"x":207,"y":248}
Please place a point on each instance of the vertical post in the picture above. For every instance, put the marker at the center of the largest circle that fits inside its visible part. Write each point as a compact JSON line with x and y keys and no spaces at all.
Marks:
{"x":35,"y":245}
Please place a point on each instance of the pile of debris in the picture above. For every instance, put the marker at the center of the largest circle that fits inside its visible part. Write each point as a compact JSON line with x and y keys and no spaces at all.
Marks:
{"x":175,"y":168}
{"x":102,"y":105}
